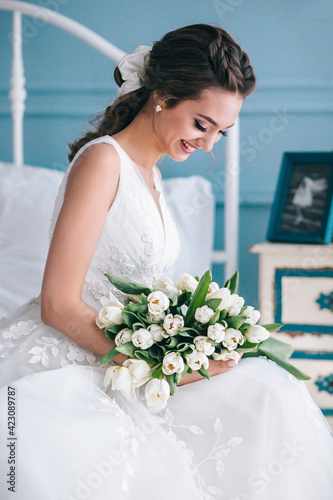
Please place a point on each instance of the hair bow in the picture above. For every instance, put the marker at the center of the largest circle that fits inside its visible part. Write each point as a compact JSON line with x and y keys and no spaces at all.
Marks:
{"x":132,"y":69}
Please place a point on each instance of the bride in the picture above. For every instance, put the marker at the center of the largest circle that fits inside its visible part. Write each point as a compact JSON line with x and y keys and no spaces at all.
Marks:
{"x":250,"y":433}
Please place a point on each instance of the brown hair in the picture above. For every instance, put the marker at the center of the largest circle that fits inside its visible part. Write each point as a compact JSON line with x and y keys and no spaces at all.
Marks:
{"x":181,"y":65}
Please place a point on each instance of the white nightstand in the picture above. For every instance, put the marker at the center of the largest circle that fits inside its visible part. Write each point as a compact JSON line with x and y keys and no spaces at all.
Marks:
{"x":296,"y":288}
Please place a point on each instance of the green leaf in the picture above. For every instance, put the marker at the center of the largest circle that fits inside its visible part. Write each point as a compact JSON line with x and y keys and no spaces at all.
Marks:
{"x":130,"y":318}
{"x":273,"y":327}
{"x":232,"y":283}
{"x":183,"y":346}
{"x":135,"y":308}
{"x":215,"y":318}
{"x":114,"y":329}
{"x":183,"y":298}
{"x":178,"y":377}
{"x":204,"y":372}
{"x":127,"y":286}
{"x":223,"y":314}
{"x":144,"y":356}
{"x":172,"y":341}
{"x":172,"y":383}
{"x":213,"y":303}
{"x":245,"y":349}
{"x":236,"y":321}
{"x":110,"y":335}
{"x":198,"y":297}
{"x":109,"y":356}
{"x":137,"y":326}
{"x":186,"y":369}
{"x":156,"y":351}
{"x":157,"y":373}
{"x":128,"y":348}
{"x":276,"y":348}
{"x":147,"y":321}
{"x":187,"y":332}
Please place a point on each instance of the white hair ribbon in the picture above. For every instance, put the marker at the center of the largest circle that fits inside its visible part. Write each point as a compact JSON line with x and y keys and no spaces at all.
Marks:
{"x":132,"y":69}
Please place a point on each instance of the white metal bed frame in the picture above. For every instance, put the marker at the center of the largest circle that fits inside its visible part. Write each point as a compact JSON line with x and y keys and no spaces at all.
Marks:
{"x":18,"y":95}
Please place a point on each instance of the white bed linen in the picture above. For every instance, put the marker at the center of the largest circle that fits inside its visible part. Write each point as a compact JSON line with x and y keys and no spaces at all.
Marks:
{"x":27,"y":198}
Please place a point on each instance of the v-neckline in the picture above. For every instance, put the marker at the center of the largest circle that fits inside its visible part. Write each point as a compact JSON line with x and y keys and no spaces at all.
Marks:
{"x":159,"y":205}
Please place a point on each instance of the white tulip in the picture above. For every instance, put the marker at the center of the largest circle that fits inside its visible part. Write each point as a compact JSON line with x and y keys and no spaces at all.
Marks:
{"x":110,"y":314}
{"x":256,"y":333}
{"x":236,"y":304}
{"x":125,"y":335}
{"x":142,"y":338}
{"x":224,"y":294}
{"x":202,"y":345}
{"x":216,"y":332}
{"x":139,"y":371}
{"x":157,"y":393}
{"x":197,"y":359}
{"x":171,"y":324}
{"x":187,"y":282}
{"x":213,"y":287}
{"x":121,"y":381}
{"x":204,"y":314}
{"x":156,"y":317}
{"x":156,"y":332}
{"x":232,"y":339}
{"x":252,"y":314}
{"x":166,"y":285}
{"x":227,"y":355}
{"x":172,"y":363}
{"x":157,"y":302}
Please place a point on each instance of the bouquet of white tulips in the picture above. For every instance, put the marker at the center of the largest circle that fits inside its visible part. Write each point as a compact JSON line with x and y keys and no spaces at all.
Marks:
{"x":175,"y":328}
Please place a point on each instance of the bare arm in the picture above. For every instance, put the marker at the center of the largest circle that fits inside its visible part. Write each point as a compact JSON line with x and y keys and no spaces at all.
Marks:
{"x":90,"y":191}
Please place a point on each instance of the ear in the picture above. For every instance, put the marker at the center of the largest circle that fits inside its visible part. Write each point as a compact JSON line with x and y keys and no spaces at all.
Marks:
{"x":158,"y":98}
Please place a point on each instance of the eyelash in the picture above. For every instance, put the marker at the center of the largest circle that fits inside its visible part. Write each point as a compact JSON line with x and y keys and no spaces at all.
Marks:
{"x":202,"y":129}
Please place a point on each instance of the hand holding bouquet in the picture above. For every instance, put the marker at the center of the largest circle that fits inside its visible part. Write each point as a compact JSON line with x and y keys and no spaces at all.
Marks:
{"x":175,"y":328}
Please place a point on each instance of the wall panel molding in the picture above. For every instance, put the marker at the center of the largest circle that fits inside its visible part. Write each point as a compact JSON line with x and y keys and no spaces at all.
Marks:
{"x":80,"y":101}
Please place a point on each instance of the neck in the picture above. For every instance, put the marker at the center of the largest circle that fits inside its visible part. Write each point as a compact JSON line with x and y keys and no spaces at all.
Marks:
{"x":139,"y":140}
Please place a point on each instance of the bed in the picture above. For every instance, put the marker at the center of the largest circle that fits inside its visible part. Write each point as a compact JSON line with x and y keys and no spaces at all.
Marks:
{"x":27,"y":193}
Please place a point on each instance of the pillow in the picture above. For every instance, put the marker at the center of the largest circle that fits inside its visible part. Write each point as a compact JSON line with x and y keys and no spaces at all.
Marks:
{"x":27,"y":197}
{"x":192,"y":206}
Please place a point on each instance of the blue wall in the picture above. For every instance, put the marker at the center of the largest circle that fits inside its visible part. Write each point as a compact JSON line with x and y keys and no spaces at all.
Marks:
{"x":290,"y":45}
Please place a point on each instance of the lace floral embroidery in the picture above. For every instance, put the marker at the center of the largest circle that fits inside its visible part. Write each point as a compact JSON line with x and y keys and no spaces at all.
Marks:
{"x":120,"y":261}
{"x":15,"y":332}
{"x":50,"y":347}
{"x":96,"y":289}
{"x":148,"y":259}
{"x":218,"y":452}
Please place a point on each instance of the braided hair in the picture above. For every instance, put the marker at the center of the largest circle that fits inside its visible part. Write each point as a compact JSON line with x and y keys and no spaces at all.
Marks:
{"x":181,"y":66}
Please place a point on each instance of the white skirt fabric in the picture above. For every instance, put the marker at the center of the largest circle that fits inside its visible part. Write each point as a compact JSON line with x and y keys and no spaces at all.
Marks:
{"x":253,"y":433}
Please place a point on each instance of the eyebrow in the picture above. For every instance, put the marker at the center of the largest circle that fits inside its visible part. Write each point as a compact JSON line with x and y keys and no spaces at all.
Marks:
{"x":210,"y":120}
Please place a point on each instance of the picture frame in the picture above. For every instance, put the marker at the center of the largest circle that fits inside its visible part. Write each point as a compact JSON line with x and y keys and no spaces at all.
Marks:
{"x":302,"y":211}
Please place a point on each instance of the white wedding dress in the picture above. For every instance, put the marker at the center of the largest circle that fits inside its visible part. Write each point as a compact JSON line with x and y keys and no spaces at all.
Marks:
{"x":253,"y":433}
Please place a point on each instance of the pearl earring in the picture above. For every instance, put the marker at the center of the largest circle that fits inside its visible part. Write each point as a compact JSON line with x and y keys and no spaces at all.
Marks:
{"x":158,"y":108}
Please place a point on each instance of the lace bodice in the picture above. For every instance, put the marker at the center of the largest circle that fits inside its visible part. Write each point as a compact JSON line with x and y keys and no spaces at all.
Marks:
{"x":153,"y":244}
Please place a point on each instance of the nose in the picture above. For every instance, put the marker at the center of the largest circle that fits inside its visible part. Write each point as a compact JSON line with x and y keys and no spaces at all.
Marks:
{"x":207,"y":142}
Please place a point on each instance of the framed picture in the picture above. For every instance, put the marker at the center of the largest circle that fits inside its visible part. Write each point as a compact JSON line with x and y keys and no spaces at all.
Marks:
{"x":302,"y":211}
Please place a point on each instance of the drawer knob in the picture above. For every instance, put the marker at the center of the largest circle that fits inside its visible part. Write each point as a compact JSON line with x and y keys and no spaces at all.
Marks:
{"x":325,"y":301}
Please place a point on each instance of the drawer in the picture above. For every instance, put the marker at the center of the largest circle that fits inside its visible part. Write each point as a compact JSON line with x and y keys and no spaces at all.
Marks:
{"x":304,"y":300}
{"x":319,"y":366}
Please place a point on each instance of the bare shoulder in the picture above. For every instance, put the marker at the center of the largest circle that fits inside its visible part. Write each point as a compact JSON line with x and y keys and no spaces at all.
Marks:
{"x":95,"y":173}
{"x":101,"y":158}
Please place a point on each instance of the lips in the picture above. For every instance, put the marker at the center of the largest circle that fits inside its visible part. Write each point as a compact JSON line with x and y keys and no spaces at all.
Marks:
{"x":187,"y":147}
